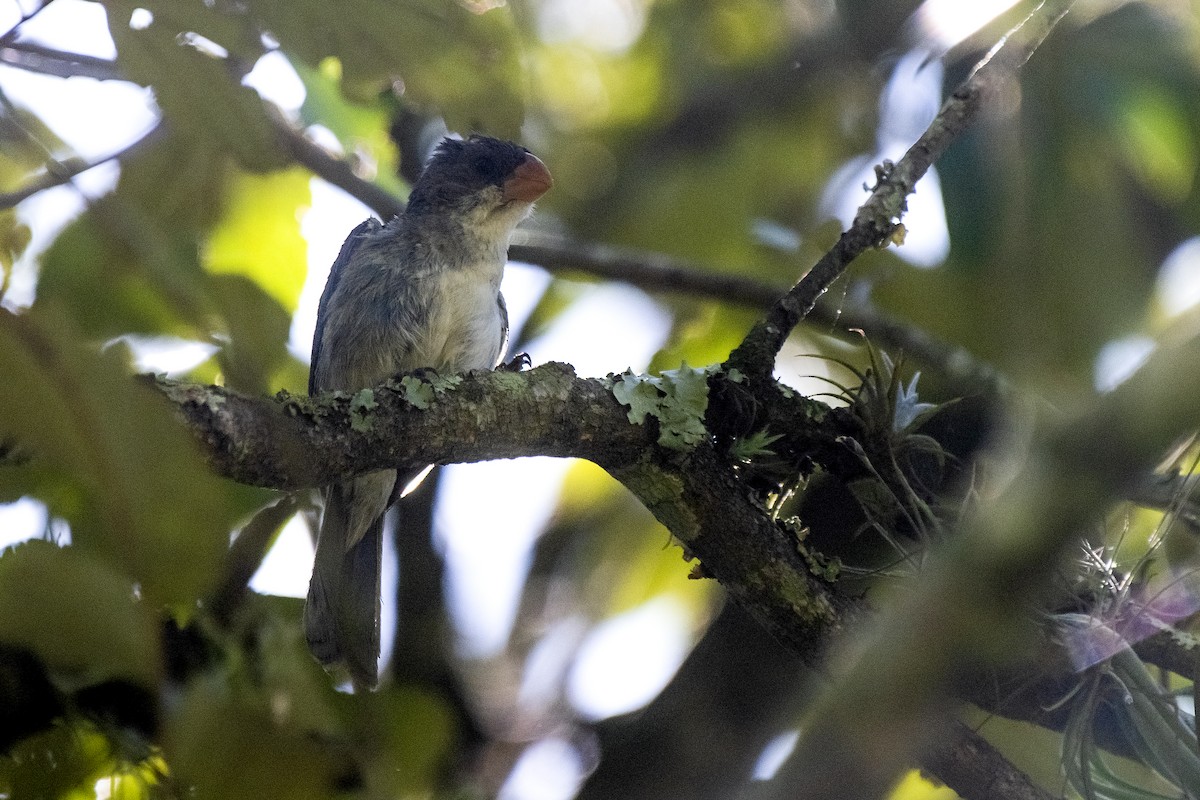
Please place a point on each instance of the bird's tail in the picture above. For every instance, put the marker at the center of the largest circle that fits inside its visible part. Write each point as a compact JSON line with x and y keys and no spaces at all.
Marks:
{"x":341,"y":615}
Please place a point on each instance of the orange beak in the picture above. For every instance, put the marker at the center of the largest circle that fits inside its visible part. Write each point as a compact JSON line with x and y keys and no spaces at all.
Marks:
{"x":529,"y":181}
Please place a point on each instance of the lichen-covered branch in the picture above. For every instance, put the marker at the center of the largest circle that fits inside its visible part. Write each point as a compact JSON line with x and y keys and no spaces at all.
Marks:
{"x":971,"y":605}
{"x":292,"y":443}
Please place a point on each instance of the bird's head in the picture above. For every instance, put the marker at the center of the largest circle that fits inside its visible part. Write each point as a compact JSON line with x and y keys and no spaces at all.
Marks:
{"x":489,"y":182}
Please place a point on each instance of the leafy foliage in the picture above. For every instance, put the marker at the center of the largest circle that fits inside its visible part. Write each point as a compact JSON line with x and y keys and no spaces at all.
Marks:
{"x":721,"y":132}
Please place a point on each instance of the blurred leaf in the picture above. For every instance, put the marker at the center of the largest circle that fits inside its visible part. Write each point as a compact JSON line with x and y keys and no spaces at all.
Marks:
{"x":226,"y":745}
{"x":620,"y":556}
{"x":26,"y":147}
{"x":360,"y":125}
{"x":108,"y":457}
{"x":413,"y":734}
{"x":259,"y":234}
{"x":14,"y":238}
{"x":915,"y":786}
{"x":258,"y":333}
{"x":464,"y":65}
{"x":197,"y":91}
{"x":139,"y":245}
{"x":151,"y":279}
{"x":78,"y":615}
{"x":62,"y":763}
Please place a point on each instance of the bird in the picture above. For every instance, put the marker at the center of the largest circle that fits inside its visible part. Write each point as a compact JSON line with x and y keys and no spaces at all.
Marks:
{"x":421,"y":291}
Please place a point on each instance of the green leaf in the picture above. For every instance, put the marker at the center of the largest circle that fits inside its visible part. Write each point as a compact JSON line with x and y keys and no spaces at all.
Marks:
{"x":257,"y":329}
{"x":78,"y":615}
{"x":464,"y":65}
{"x":226,"y":744}
{"x":197,"y":91}
{"x":107,"y":455}
{"x":62,"y":762}
{"x":140,"y":245}
{"x":152,"y":281}
{"x":259,"y":234}
{"x":416,"y":734}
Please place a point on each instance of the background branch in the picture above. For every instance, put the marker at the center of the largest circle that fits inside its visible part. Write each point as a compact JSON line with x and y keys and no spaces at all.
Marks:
{"x":877,"y":219}
{"x":57,"y":174}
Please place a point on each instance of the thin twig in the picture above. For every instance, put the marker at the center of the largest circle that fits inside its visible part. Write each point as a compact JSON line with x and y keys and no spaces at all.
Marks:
{"x":877,"y":220}
{"x":34,"y":57}
{"x":336,"y":171}
{"x":59,"y":173}
{"x":12,"y":32}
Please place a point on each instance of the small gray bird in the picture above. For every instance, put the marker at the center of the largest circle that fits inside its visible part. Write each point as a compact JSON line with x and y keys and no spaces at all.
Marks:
{"x":421,"y":291}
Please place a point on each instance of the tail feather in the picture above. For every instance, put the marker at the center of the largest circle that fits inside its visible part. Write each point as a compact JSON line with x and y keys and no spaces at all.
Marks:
{"x":341,"y":616}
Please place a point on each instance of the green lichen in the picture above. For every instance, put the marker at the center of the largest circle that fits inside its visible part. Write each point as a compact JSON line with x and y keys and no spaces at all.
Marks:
{"x":678,"y":399}
{"x":416,"y":392}
{"x":662,"y":494}
{"x":419,"y":391}
{"x":785,"y":583}
{"x":361,"y":405}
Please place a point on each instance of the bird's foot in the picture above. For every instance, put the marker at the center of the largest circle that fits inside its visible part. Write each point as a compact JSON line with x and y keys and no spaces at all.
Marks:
{"x":519,"y":362}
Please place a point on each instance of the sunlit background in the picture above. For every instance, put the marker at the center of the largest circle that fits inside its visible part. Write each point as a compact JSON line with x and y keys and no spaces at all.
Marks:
{"x":610,"y":663}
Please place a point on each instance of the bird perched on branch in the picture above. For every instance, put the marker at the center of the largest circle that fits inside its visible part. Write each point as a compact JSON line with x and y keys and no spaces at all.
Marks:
{"x":421,"y":291}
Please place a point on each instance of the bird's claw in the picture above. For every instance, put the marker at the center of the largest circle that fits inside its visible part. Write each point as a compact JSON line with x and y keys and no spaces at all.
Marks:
{"x":519,"y":362}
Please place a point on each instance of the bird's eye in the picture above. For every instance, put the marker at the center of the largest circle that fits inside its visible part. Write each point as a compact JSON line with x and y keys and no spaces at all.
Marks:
{"x":487,"y":168}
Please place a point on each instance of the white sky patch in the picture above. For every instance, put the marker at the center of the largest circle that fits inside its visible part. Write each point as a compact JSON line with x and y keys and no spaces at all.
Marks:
{"x":909,"y":103}
{"x":1119,"y":359}
{"x":288,"y":565}
{"x":330,"y":217}
{"x":627,"y":660}
{"x":22,"y":520}
{"x":74,"y":25}
{"x":606,"y":25}
{"x":167,"y":353}
{"x":948,"y":22}
{"x":489,"y":515}
{"x":1178,"y":286}
{"x":548,"y":770}
{"x":95,"y":118}
{"x":275,"y":80}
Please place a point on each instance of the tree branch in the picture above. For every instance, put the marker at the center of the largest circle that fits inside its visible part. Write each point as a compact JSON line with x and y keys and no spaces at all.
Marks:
{"x":57,"y":173}
{"x":971,"y":766}
{"x":970,"y":605}
{"x":297,"y":442}
{"x":877,"y":220}
{"x":34,"y":57}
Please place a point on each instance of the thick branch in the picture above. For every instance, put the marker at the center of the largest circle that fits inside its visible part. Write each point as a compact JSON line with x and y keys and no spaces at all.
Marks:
{"x":878,"y":218}
{"x":298,"y":442}
{"x":975,"y":769}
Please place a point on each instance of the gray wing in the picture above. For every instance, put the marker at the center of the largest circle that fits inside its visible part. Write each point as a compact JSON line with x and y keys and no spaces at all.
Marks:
{"x":349,"y":247}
